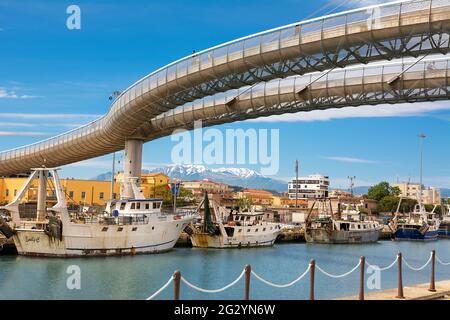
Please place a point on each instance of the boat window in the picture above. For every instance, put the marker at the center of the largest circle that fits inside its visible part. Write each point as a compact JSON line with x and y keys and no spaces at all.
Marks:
{"x":138,"y":205}
{"x":248,"y":230}
{"x":105,"y":229}
{"x":359,"y":226}
{"x":229,"y":231}
{"x":122,"y":205}
{"x":134,"y":229}
{"x":239,"y":230}
{"x":256,"y":230}
{"x":264,"y":229}
{"x":154,"y":205}
{"x":147,"y":206}
{"x":133,"y":205}
{"x":119,"y":229}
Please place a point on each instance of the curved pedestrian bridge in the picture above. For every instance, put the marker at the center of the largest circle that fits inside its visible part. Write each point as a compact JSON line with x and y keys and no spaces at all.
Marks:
{"x":315,"y":64}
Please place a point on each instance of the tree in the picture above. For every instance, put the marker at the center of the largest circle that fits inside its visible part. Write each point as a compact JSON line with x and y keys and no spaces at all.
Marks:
{"x":185,"y":196}
{"x":430,"y":207}
{"x":244,"y":203}
{"x":381,"y":190}
{"x":390,"y":204}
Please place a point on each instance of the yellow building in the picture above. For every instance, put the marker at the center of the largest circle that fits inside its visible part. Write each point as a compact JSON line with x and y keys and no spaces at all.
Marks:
{"x":81,"y":192}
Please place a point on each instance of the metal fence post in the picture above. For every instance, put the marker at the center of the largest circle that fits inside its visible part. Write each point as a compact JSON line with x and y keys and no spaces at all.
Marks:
{"x":312,"y":270}
{"x":433,"y":265}
{"x":400,"y":277}
{"x":176,"y":285}
{"x":248,"y":272}
{"x":361,"y":278}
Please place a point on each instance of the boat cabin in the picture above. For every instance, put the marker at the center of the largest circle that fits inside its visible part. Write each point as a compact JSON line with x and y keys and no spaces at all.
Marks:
{"x":133,"y":207}
{"x":246,"y":218}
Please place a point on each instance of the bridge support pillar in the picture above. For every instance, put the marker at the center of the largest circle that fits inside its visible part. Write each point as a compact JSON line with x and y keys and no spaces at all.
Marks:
{"x":132,"y":166}
{"x":42,"y":196}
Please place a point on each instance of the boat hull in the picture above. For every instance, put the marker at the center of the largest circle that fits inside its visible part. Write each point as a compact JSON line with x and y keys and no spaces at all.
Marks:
{"x":341,"y":237}
{"x":101,"y":240}
{"x":414,"y":234}
{"x":204,"y":240}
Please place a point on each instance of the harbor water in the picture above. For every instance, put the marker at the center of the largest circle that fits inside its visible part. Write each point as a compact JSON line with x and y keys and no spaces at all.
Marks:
{"x":137,"y":277}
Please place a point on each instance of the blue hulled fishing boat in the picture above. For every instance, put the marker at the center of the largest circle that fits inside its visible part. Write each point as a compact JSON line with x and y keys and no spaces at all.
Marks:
{"x":418,"y":225}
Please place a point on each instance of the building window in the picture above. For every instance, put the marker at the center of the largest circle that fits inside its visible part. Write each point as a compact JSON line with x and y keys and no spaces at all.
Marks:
{"x":102,"y":195}
{"x":15,"y":192}
{"x":83,"y":195}
{"x":70,"y":194}
{"x":7,"y":192}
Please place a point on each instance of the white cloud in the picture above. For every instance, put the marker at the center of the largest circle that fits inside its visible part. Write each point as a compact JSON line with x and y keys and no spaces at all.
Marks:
{"x":378,"y":111}
{"x":21,"y":134}
{"x":47,"y":115}
{"x":29,"y":125}
{"x":11,"y":94}
{"x":350,"y":160}
{"x":16,"y":124}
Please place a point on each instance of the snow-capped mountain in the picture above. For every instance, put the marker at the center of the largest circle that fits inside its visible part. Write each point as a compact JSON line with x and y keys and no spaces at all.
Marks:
{"x":241,"y":177}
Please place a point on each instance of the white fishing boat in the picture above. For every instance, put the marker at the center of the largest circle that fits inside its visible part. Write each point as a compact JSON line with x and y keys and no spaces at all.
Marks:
{"x":127,"y":227}
{"x":229,"y":229}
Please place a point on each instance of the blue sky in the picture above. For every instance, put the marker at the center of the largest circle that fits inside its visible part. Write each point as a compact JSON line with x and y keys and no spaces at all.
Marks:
{"x":53,"y":79}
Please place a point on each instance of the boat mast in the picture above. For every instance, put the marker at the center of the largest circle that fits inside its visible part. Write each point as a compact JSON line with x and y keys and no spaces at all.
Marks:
{"x":113,"y":170}
{"x":296,"y":183}
{"x":421,"y":137}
